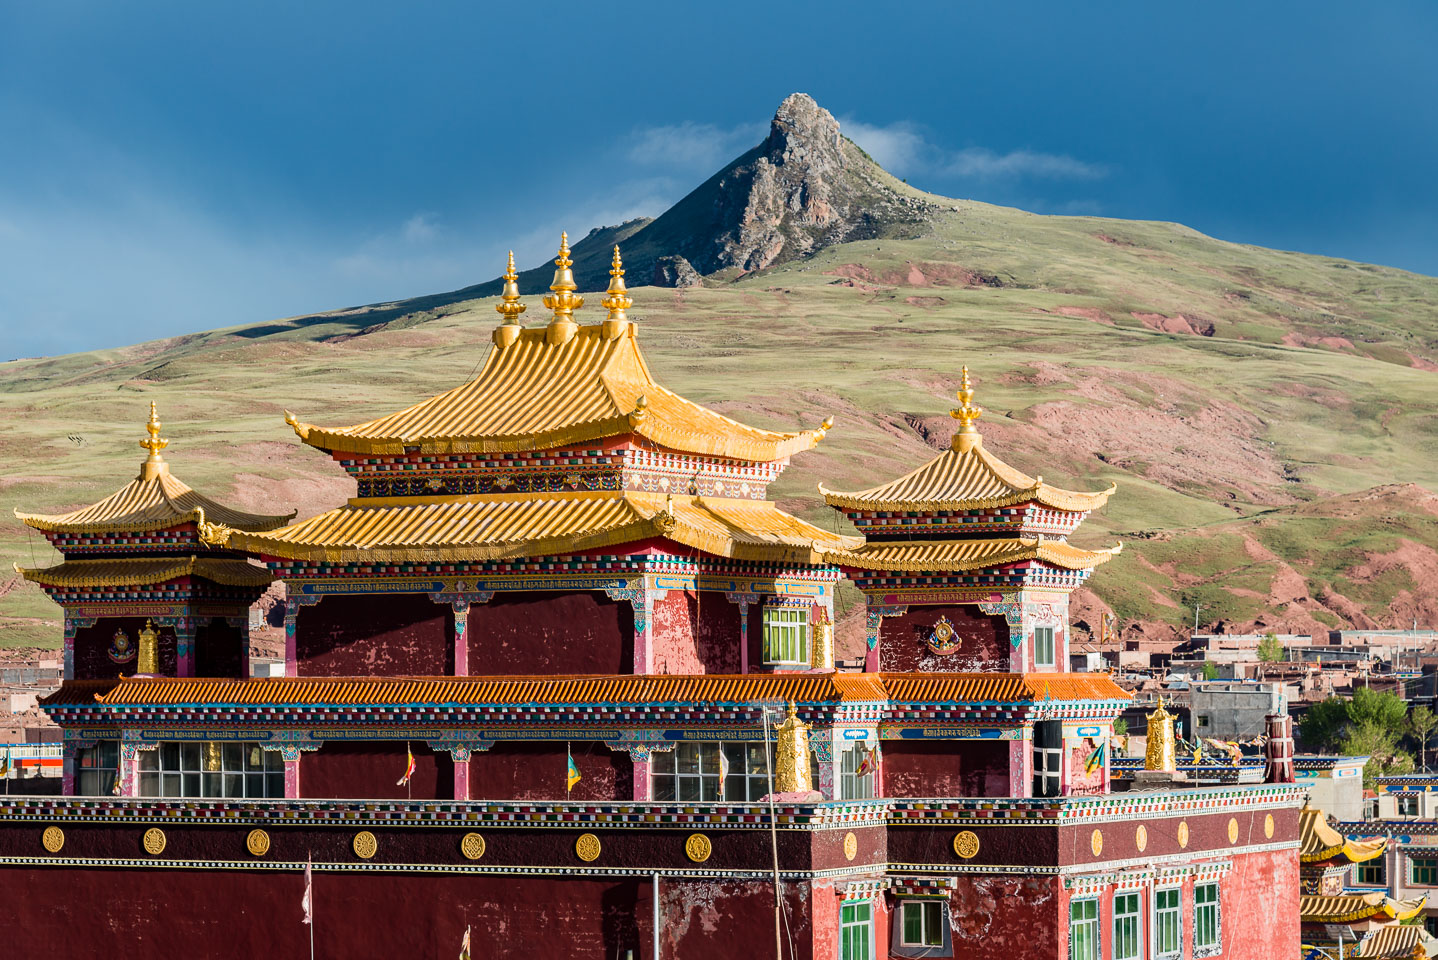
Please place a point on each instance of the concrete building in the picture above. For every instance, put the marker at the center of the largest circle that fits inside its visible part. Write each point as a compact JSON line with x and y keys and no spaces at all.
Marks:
{"x":1234,"y":710}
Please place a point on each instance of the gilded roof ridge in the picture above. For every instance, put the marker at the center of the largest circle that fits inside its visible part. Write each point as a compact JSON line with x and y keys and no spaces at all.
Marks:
{"x":133,"y":500}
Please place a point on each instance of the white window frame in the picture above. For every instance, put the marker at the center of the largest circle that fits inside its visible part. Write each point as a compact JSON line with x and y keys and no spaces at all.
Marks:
{"x":692,"y":772}
{"x":931,"y":911}
{"x":1212,"y":947}
{"x":1133,"y":917}
{"x":179,"y":769}
{"x":1095,"y":938}
{"x":1161,"y":916}
{"x":1048,"y":762}
{"x":1040,"y":633}
{"x":863,"y":942}
{"x":96,"y":769}
{"x":786,"y":636}
{"x":852,"y":787}
{"x":1408,"y":799}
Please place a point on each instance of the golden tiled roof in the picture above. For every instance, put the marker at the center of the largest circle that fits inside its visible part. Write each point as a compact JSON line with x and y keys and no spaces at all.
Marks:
{"x":956,"y":555}
{"x":535,"y":395}
{"x":1353,"y":907}
{"x":623,"y":688}
{"x":1317,"y":841}
{"x":968,"y":479}
{"x":1398,"y":942}
{"x":500,"y":526}
{"x":138,"y":571}
{"x":150,"y":504}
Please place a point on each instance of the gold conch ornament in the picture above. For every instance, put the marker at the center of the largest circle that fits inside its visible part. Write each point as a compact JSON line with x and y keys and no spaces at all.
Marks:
{"x":149,"y":650}
{"x":968,"y":436}
{"x":791,"y":774}
{"x":1160,"y":753}
{"x":154,"y":464}
{"x":509,"y":307}
{"x":563,"y":300}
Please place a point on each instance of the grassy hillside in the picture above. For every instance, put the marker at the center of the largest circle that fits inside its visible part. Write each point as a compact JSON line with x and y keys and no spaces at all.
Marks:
{"x":1242,"y":399}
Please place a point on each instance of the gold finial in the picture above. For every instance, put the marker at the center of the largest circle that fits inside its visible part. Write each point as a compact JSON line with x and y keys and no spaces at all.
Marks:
{"x":640,"y":411}
{"x":618,"y":299}
{"x":149,"y":657}
{"x":509,"y":307}
{"x":563,"y":300}
{"x":154,"y":464}
{"x":968,"y":437}
{"x":1160,"y":752}
{"x":791,"y":748}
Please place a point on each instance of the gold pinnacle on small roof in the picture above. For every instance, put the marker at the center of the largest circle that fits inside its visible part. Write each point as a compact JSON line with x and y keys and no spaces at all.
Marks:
{"x":563,"y":301}
{"x":154,"y":463}
{"x":509,"y":306}
{"x":968,"y":436}
{"x":618,"y":299}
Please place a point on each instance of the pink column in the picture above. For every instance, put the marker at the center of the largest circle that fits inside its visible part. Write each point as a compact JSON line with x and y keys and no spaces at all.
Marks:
{"x":1021,"y":768}
{"x":292,"y":615}
{"x":67,"y":775}
{"x":461,"y":659}
{"x":185,"y":631}
{"x":642,"y":790}
{"x":292,"y":777}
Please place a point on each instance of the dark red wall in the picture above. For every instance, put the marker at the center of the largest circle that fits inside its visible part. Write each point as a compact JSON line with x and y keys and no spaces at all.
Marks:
{"x":402,"y":635}
{"x":218,"y":649}
{"x":946,"y":768}
{"x":537,"y":770}
{"x":984,"y":641}
{"x":369,"y":771}
{"x":523,"y":634}
{"x":695,"y":633}
{"x":92,"y":662}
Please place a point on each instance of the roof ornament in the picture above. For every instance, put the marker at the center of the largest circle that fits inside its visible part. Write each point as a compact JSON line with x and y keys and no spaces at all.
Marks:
{"x":154,"y":464}
{"x":563,"y":300}
{"x":664,"y":521}
{"x":968,"y":437}
{"x":640,"y":411}
{"x":617,"y":300}
{"x":508,"y":307}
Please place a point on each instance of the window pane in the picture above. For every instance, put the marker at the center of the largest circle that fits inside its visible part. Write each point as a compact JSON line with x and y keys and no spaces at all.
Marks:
{"x":933,"y":924}
{"x":913,"y":924}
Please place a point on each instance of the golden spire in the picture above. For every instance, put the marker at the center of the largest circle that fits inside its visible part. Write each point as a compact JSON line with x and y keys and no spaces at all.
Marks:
{"x":618,"y":299}
{"x":563,"y":300}
{"x":968,"y":437}
{"x":154,"y":464}
{"x":509,"y":307}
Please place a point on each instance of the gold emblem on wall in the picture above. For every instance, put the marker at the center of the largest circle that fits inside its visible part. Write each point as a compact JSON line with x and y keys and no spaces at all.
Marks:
{"x":365,"y":845}
{"x":1140,"y":838}
{"x":53,"y":839}
{"x":966,"y":844}
{"x":943,"y":640}
{"x":587,"y":847}
{"x":154,"y":841}
{"x":1232,"y":829}
{"x":697,"y":847}
{"x":1268,"y":826}
{"x":1095,"y":842}
{"x":851,"y":846}
{"x":258,"y":843}
{"x":1183,"y":833}
{"x":472,"y":846}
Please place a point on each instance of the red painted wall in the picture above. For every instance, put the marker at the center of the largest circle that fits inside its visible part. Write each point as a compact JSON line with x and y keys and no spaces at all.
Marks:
{"x":946,"y":768}
{"x":524,"y":634}
{"x":1001,"y":918}
{"x":402,"y":635}
{"x":218,"y":649}
{"x":369,"y":771}
{"x":92,"y":661}
{"x":984,"y":641}
{"x":531,"y":770}
{"x":695,"y":632}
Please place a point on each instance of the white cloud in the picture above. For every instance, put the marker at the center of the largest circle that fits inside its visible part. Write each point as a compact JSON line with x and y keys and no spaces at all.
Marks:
{"x":420,"y":228}
{"x":981,"y":163}
{"x":899,"y":147}
{"x":693,"y":146}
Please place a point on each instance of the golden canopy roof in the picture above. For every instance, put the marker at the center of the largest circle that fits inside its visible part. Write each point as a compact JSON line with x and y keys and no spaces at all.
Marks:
{"x":958,"y":555}
{"x":1317,"y":841}
{"x":140,"y":571}
{"x":1354,"y":907}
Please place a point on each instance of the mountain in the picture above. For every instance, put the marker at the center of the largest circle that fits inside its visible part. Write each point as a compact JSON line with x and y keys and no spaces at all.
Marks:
{"x":1269,"y":417}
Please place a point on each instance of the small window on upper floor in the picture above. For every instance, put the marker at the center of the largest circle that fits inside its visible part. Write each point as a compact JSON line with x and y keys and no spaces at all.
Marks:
{"x":786,"y":636}
{"x":1203,"y":719}
{"x":1044,"y":646}
{"x":1407,"y":804}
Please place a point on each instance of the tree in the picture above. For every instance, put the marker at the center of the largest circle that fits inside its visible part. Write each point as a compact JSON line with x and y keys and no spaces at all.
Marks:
{"x":1270,"y":650}
{"x":1421,"y":722}
{"x":1120,"y":727}
{"x":1370,"y":724}
{"x":1210,"y":670}
{"x":1323,"y":725}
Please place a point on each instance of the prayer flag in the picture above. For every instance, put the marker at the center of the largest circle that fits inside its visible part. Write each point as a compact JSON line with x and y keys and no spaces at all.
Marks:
{"x":1095,"y":759}
{"x":464,"y":946}
{"x":5,"y":763}
{"x":866,"y":764}
{"x":572,"y":777}
{"x":408,"y":768}
{"x":308,"y":901}
{"x":723,"y":769}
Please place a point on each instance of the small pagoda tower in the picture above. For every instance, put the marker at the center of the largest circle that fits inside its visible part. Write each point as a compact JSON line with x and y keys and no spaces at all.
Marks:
{"x":142,"y":594}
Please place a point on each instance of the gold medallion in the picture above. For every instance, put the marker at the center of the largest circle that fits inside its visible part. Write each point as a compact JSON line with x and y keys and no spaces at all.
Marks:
{"x":365,"y":845}
{"x":258,"y":843}
{"x":966,"y":844}
{"x":1268,"y":826}
{"x":696,"y":848}
{"x":1183,"y":833}
{"x":154,"y":841}
{"x":851,"y":846}
{"x":472,"y":846}
{"x":1095,"y":842}
{"x":1140,"y":837}
{"x":53,"y":839}
{"x":587,"y":847}
{"x":1232,"y":829}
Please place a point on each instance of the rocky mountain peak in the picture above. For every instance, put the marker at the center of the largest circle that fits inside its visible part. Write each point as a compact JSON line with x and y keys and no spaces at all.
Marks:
{"x":803,"y":132}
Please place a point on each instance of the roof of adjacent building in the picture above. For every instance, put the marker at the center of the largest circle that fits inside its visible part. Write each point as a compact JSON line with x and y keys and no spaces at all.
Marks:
{"x":1317,"y":841}
{"x":501,"y":526}
{"x":1398,"y":942}
{"x":534,"y":394}
{"x":138,"y":571}
{"x":1353,"y":907}
{"x":960,"y":555}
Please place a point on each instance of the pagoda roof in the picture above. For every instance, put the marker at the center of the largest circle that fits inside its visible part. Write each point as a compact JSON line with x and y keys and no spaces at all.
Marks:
{"x":957,"y":555}
{"x":1355,"y":907}
{"x":534,"y":394}
{"x":965,"y":477}
{"x":500,"y":526}
{"x":1317,"y":841}
{"x":136,"y":571}
{"x":155,"y":500}
{"x":1398,"y":942}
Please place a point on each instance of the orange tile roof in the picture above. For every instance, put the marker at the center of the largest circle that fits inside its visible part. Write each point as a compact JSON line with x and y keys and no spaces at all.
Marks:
{"x":498,"y":526}
{"x":955,"y":555}
{"x":536,"y":395}
{"x":970,"y":479}
{"x":137,"y":571}
{"x":752,"y":688}
{"x":151,"y":503}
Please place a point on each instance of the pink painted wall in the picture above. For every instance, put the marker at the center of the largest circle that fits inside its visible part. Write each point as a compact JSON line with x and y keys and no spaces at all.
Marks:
{"x":526,"y":634}
{"x":984,"y":641}
{"x":536,"y":770}
{"x":695,"y":632}
{"x":398,"y":635}
{"x":945,"y":768}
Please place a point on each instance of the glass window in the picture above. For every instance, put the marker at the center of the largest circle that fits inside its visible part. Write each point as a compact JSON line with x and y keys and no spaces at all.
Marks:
{"x":1044,"y":646}
{"x":96,"y":769}
{"x":1373,"y":873}
{"x":1424,"y":871}
{"x":854,"y":785}
{"x":1206,"y":931}
{"x":214,"y":770}
{"x":923,"y":923}
{"x":691,"y":772}
{"x":1167,"y":923}
{"x":786,"y":635}
{"x":856,"y":930}
{"x":1083,"y":930}
{"x":1203,"y":720}
{"x":1048,"y":757}
{"x":1127,"y":927}
{"x":1407,"y":804}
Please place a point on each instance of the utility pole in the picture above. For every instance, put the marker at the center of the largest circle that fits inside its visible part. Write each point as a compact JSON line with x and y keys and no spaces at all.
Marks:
{"x":1196,"y":607}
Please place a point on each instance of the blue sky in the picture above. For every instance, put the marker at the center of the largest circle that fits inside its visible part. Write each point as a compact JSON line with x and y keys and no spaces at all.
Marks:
{"x":173,"y":167}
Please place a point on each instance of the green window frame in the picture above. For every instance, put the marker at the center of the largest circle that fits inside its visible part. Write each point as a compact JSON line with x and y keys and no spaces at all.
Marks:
{"x":1168,"y":923}
{"x":1127,"y":926}
{"x":1423,"y":871}
{"x":786,"y":636}
{"x":1207,"y":929}
{"x":856,"y":930}
{"x":1371,"y":873}
{"x":1083,"y":929}
{"x":1044,"y":646}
